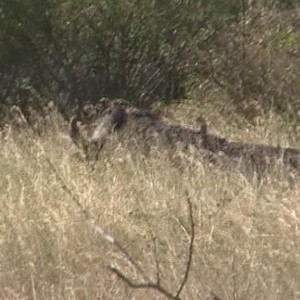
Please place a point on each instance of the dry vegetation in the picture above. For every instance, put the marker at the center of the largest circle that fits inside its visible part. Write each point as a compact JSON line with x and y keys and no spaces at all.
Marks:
{"x":247,"y":236}
{"x":240,"y":61}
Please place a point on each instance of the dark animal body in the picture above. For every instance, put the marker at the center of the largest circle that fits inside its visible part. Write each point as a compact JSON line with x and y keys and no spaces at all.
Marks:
{"x":138,"y":125}
{"x":149,"y":130}
{"x":259,"y":156}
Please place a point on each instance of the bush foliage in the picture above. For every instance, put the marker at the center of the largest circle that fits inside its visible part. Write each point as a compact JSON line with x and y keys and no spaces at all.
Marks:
{"x":146,"y":51}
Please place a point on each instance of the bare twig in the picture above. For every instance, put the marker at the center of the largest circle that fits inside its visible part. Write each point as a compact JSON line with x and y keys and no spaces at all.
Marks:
{"x":146,"y":285}
{"x":156,"y":260}
{"x":191,"y":247}
{"x":154,"y":241}
{"x":98,"y":228}
{"x":156,"y":285}
{"x":146,"y":282}
{"x":74,"y":197}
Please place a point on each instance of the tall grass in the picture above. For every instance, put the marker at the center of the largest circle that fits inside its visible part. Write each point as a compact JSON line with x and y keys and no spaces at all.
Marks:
{"x":247,"y":243}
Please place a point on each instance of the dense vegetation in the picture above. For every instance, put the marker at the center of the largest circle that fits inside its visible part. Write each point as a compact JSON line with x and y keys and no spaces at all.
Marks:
{"x":246,"y":241}
{"x":196,"y":229}
{"x":245,"y":52}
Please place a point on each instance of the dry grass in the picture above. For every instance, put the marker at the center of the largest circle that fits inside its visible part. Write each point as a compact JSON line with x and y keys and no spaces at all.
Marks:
{"x":247,"y":243}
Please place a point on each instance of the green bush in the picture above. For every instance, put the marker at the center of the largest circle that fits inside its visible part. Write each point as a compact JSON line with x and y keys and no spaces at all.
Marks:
{"x":147,"y":51}
{"x":81,"y":50}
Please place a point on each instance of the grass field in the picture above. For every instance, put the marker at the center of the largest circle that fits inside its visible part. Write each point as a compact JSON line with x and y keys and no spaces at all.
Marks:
{"x":247,"y":236}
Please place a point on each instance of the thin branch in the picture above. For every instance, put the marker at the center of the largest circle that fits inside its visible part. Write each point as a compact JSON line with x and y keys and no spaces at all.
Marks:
{"x":146,"y":285}
{"x":156,"y":261}
{"x":74,"y":197}
{"x":109,"y":238}
{"x":156,"y":285}
{"x":191,"y":248}
{"x":153,"y":238}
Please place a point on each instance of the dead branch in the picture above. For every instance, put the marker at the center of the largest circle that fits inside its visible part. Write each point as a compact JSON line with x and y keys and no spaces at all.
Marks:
{"x":146,"y":282}
{"x":191,"y":247}
{"x":157,"y":285}
{"x":146,"y":285}
{"x":109,"y":238}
